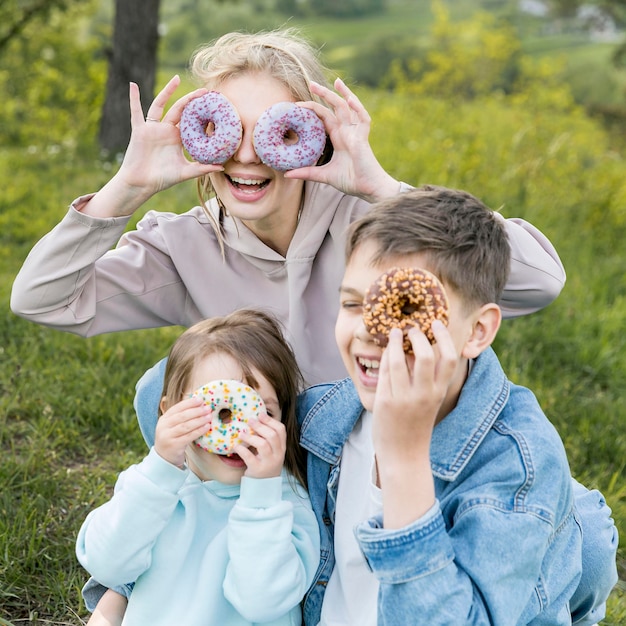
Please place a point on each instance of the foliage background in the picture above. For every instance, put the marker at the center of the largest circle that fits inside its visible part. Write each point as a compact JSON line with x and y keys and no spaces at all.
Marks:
{"x":519,"y":134}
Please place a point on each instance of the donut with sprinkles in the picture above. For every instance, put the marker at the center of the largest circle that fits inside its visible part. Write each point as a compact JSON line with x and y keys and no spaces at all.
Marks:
{"x":233,"y":404}
{"x":287,"y":136}
{"x":210,"y":128}
{"x":404,"y":298}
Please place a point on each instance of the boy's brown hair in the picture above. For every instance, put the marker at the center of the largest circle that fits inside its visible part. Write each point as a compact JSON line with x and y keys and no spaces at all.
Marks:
{"x":463,"y":242}
{"x":255,"y":340}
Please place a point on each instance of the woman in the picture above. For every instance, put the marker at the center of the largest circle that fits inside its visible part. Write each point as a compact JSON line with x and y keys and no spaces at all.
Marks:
{"x":283,"y":232}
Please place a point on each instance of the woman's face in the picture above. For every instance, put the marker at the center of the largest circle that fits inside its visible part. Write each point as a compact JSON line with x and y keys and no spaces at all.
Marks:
{"x":261,"y":197}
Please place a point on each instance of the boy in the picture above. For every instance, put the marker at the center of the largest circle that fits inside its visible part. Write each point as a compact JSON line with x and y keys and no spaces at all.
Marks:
{"x":463,"y":481}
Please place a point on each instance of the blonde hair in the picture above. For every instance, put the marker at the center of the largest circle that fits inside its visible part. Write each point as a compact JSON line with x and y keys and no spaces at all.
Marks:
{"x":255,"y":340}
{"x":282,"y":54}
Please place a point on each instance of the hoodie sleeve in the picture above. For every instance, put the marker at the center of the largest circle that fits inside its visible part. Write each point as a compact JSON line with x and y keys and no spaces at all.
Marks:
{"x":273,"y":544}
{"x":115,"y":541}
{"x":537,"y":274}
{"x":87,"y":277}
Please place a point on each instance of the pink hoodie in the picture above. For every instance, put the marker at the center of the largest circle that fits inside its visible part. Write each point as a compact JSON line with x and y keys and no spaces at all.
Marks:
{"x":169,"y":271}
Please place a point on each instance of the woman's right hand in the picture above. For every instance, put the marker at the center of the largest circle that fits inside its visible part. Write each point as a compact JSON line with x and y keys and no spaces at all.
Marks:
{"x":154,"y":159}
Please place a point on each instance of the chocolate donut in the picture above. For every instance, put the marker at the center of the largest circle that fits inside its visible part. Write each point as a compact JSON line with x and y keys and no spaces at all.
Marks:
{"x":233,"y":403}
{"x":210,"y":128}
{"x":287,"y":136}
{"x":403,"y":298}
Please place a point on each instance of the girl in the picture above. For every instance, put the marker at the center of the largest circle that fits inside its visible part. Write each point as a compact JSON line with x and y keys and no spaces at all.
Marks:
{"x":213,"y":539}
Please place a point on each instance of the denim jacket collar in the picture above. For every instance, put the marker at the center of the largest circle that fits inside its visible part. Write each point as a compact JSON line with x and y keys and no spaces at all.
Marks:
{"x":324,"y":432}
{"x":455,"y":439}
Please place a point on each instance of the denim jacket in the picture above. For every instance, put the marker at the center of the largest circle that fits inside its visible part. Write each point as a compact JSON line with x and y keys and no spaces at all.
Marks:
{"x":504,"y":545}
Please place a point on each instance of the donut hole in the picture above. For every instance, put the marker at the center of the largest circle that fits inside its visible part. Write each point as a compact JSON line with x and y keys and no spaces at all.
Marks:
{"x":226,"y":416}
{"x":290,"y":137}
{"x":209,"y":129}
{"x":408,"y":308}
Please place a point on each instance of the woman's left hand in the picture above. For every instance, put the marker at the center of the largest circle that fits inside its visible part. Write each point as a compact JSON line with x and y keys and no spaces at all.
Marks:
{"x":353,"y":167}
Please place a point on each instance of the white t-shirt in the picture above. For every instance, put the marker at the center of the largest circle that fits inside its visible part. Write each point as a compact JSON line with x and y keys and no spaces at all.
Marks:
{"x":352,"y":592}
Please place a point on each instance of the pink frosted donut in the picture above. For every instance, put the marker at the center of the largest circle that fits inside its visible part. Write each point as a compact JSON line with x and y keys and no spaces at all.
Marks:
{"x":210,"y":128}
{"x":287,"y":136}
{"x":233,"y":403}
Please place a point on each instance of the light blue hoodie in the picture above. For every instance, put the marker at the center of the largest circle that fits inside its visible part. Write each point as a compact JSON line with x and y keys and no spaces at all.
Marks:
{"x":203,"y":552}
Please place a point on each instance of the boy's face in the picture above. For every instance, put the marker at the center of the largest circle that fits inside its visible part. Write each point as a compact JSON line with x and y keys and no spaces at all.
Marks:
{"x":360,"y":354}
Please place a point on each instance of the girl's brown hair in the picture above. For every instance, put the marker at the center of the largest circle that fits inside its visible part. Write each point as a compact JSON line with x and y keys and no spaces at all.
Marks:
{"x":255,"y":340}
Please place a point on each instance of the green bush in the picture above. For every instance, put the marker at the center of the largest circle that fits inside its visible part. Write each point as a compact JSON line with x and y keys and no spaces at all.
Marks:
{"x":52,"y":80}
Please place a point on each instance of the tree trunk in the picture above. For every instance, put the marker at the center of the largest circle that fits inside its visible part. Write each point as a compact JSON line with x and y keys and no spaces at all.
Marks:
{"x":132,"y":58}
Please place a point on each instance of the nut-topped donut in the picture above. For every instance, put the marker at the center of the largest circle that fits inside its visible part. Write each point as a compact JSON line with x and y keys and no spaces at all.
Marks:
{"x":403,"y":298}
{"x":233,"y":404}
{"x":210,"y":128}
{"x":287,"y":136}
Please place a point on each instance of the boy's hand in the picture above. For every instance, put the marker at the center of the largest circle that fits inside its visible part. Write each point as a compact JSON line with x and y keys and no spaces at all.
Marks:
{"x":410,"y":393}
{"x":263,"y":452}
{"x":411,"y":389}
{"x":179,"y":426}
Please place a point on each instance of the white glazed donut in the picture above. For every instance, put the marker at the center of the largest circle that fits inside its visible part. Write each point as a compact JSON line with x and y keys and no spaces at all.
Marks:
{"x":272,"y":137}
{"x":233,"y":403}
{"x":210,"y":128}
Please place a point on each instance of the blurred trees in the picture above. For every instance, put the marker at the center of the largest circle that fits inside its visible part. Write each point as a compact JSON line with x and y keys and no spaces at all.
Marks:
{"x":52,"y":76}
{"x":15,"y":16}
{"x":47,"y":45}
{"x":331,"y":8}
{"x":346,"y":8}
{"x":51,"y":79}
{"x":615,"y":9}
{"x":463,"y":60}
{"x":132,"y":57}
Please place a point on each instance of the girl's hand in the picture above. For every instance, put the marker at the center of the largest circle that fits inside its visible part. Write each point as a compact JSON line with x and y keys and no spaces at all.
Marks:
{"x":154,"y":159}
{"x":263,"y":452}
{"x":179,"y":426}
{"x":353,"y":168}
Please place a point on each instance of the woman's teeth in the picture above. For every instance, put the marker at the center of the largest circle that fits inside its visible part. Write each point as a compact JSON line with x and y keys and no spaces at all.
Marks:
{"x":247,"y":181}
